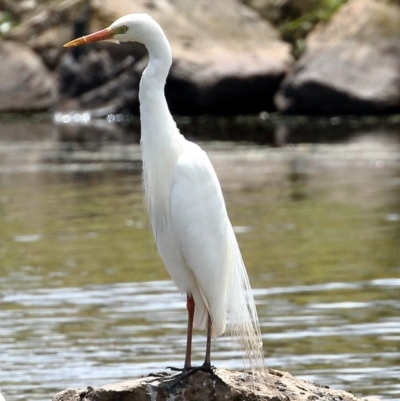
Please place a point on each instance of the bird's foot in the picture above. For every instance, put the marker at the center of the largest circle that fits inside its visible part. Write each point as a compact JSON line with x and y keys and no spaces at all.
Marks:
{"x":174,"y":369}
{"x":160,"y":376}
{"x":187,"y":372}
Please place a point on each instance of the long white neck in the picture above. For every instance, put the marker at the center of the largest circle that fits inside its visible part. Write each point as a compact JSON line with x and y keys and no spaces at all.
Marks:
{"x":160,"y":139}
{"x":153,"y":106}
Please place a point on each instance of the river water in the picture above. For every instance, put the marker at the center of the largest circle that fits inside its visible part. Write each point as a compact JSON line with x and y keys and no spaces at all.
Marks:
{"x":85,"y":299}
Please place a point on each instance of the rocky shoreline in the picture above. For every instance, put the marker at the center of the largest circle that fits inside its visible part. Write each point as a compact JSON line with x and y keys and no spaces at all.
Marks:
{"x":228,"y":59}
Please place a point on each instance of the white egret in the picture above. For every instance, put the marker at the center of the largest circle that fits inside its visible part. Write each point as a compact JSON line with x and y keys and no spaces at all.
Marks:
{"x":193,"y":233}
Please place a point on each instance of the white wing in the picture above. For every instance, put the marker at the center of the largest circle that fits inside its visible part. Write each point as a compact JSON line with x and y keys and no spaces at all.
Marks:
{"x":200,"y":228}
{"x":200,"y":251}
{"x":204,"y":237}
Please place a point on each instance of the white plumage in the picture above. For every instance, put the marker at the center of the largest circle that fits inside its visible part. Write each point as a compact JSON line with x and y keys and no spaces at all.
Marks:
{"x":189,"y":219}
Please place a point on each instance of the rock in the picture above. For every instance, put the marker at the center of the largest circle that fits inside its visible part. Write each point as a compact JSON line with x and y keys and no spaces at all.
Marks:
{"x":226,"y":58}
{"x":223,"y":385}
{"x":25,"y":83}
{"x":96,"y":83}
{"x":18,"y":8}
{"x":350,"y":66}
{"x":271,"y":10}
{"x":45,"y":25}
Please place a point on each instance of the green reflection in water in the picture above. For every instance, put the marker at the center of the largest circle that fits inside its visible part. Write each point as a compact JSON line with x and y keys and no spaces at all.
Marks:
{"x":72,"y":232}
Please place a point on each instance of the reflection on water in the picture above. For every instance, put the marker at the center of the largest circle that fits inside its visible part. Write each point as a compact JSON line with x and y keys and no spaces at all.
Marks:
{"x":85,"y":299}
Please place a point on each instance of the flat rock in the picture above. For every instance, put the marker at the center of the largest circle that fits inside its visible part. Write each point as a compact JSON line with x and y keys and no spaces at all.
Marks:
{"x":225,"y":384}
{"x":350,"y":66}
{"x":25,"y":82}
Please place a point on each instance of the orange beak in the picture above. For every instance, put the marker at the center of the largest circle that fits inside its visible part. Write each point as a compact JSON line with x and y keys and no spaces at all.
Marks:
{"x":104,"y":34}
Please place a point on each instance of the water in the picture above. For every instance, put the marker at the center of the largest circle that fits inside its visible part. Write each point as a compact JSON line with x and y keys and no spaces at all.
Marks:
{"x":85,"y":299}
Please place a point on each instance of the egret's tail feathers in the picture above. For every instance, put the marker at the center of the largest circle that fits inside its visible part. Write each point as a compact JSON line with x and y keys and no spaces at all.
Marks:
{"x":242,"y":314}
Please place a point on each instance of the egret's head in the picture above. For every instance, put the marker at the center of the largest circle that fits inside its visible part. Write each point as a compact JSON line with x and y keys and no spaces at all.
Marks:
{"x":129,"y":28}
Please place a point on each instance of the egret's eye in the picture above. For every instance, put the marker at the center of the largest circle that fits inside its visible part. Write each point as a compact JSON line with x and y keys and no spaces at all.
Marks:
{"x":123,"y":29}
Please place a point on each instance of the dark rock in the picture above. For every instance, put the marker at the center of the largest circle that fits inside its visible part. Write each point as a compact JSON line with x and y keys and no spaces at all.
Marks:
{"x":223,"y":385}
{"x":93,"y":81}
{"x":223,"y":65}
{"x":227,"y":59}
{"x":224,"y":84}
{"x":25,"y":83}
{"x":351,"y":65}
{"x":45,"y":25}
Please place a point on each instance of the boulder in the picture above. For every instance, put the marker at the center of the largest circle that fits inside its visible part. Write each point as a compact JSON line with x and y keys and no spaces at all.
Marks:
{"x":227,"y":59}
{"x":25,"y":82}
{"x":223,"y":385}
{"x":97,"y":84}
{"x":350,"y":66}
{"x":45,"y":25}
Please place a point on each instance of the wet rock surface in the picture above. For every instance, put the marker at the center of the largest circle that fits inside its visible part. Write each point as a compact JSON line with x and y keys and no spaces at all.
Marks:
{"x":224,"y":384}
